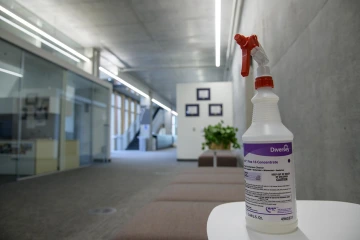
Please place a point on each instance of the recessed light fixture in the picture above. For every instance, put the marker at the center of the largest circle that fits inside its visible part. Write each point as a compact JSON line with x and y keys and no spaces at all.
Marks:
{"x":44,"y":34}
{"x":110,"y":74}
{"x":11,"y":73}
{"x":217,"y":31}
{"x":39,"y":38}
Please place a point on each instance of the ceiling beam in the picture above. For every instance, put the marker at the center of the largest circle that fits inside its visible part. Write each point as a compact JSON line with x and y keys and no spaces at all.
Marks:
{"x":143,"y":69}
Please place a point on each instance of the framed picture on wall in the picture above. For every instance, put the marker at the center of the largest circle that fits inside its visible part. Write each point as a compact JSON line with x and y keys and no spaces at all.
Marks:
{"x":202,"y":94}
{"x":215,"y":109}
{"x":192,"y":110}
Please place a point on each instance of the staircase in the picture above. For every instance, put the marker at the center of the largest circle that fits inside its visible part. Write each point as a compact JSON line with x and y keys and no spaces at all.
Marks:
{"x":134,"y":144}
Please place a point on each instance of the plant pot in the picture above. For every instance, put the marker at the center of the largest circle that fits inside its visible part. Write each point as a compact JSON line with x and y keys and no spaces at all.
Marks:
{"x":221,"y":146}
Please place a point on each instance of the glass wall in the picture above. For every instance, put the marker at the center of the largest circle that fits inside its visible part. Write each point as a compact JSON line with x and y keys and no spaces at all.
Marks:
{"x":116,"y":121}
{"x":50,"y":118}
{"x":125,"y":123}
{"x":40,"y":95}
{"x":126,"y":114}
{"x":78,"y":117}
{"x":173,"y":125}
{"x":112,"y":124}
{"x":100,"y":126}
{"x":132,"y":108}
{"x":10,"y":73}
{"x":9,"y":24}
{"x":118,"y":115}
{"x":138,"y":111}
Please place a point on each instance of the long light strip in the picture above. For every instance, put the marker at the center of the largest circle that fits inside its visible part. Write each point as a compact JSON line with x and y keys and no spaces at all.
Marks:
{"x":44,"y":34}
{"x":110,"y":74}
{"x":217,"y":31}
{"x":39,"y":38}
{"x":163,"y":106}
{"x":160,"y":104}
{"x":11,"y":73}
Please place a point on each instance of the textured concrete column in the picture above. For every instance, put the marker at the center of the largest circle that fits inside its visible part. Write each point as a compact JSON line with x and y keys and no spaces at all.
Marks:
{"x":146,"y":121}
{"x":168,"y":121}
{"x":150,"y":140}
{"x":96,"y":62}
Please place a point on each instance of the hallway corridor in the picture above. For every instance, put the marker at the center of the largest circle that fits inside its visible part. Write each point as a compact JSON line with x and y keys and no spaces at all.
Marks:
{"x":57,"y":206}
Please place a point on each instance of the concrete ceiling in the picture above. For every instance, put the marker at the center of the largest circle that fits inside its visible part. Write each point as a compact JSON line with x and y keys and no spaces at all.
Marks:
{"x":168,"y":41}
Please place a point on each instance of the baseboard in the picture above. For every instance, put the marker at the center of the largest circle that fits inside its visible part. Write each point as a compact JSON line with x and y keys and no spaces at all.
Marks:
{"x":187,"y":160}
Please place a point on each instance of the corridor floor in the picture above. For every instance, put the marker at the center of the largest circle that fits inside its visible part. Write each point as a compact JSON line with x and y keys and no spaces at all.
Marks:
{"x":57,"y":206}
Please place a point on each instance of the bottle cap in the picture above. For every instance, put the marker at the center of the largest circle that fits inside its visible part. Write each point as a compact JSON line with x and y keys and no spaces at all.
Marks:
{"x":265,"y":81}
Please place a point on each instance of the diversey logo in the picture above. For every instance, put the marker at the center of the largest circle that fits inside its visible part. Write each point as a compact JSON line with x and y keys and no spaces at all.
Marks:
{"x":283,"y":149}
{"x":270,"y":209}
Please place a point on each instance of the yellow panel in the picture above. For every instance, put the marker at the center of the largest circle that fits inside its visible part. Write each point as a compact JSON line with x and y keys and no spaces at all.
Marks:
{"x":72,"y":159}
{"x":46,"y":156}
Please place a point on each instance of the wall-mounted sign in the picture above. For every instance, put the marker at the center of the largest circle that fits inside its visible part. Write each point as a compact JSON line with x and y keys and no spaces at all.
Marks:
{"x":192,"y":110}
{"x":215,"y":109}
{"x":203,"y":94}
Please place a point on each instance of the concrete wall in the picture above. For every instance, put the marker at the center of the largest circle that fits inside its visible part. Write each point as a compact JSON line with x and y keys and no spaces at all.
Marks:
{"x":190,"y":129}
{"x":313,"y":47}
{"x":167,"y":119}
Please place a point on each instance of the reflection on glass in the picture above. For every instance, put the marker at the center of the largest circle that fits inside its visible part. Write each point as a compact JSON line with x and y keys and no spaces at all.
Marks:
{"x":38,"y":116}
{"x":78,"y":121}
{"x":112,"y":126}
{"x":100,"y":124}
{"x":10,"y":60}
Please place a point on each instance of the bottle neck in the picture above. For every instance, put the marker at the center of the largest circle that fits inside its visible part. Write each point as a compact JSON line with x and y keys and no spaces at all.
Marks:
{"x":265,"y":106}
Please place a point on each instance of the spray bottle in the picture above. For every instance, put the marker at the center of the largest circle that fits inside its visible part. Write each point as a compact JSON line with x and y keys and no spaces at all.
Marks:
{"x":270,"y":193}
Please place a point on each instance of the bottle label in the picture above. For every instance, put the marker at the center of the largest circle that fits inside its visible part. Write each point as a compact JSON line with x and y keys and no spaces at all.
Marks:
{"x":270,"y":193}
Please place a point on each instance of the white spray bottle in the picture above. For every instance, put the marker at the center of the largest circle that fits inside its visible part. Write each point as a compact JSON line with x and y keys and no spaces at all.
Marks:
{"x":270,"y":193}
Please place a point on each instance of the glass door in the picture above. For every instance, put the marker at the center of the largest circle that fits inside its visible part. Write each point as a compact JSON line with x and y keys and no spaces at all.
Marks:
{"x":78,"y":121}
{"x":100,"y":122}
{"x":39,"y":125}
{"x":10,"y":78}
{"x":83,"y":131}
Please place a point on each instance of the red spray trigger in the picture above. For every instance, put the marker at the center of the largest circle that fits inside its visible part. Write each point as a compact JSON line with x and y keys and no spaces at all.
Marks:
{"x":246,"y":44}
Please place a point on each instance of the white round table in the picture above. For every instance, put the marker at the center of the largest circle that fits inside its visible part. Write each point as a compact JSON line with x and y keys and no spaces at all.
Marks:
{"x":318,"y":220}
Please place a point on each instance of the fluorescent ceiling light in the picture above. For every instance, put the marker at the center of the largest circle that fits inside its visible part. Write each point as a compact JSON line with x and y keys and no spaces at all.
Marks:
{"x":217,"y":31}
{"x":11,"y":73}
{"x":39,"y":38}
{"x":44,"y":34}
{"x":160,"y":104}
{"x":163,"y":106}
{"x":110,"y":74}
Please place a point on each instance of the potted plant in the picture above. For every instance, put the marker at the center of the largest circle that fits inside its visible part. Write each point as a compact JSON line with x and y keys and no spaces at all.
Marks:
{"x":219,"y":137}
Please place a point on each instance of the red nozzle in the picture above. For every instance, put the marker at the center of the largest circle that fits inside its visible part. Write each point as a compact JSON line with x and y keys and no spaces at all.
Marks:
{"x":246,"y":44}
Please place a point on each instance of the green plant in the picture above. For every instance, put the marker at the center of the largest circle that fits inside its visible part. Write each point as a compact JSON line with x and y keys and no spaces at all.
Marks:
{"x":221,"y":136}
